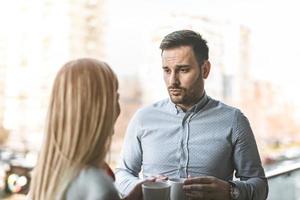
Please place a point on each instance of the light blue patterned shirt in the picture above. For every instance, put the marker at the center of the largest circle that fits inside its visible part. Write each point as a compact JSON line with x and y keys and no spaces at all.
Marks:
{"x":210,"y":139}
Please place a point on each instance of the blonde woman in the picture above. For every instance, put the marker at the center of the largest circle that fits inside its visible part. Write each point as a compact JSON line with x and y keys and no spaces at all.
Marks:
{"x":82,"y":112}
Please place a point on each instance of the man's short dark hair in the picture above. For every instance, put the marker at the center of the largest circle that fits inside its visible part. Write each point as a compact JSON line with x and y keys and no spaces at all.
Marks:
{"x":187,"y":38}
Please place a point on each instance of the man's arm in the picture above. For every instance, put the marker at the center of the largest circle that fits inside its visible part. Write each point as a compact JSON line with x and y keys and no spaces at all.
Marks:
{"x":253,"y":183}
{"x":252,"y":188}
{"x":127,"y":172}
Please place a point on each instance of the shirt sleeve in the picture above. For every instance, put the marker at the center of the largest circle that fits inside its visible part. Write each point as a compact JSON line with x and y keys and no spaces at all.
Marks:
{"x":253,"y":184}
{"x":129,"y":167}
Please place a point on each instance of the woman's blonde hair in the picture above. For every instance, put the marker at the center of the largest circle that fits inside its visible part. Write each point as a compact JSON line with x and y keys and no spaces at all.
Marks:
{"x":82,"y":112}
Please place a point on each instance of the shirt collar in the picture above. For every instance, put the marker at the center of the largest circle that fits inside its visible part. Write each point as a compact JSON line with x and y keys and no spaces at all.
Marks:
{"x":195,"y":108}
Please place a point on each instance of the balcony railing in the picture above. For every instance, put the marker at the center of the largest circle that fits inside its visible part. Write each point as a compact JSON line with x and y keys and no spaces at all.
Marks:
{"x":284,"y":182}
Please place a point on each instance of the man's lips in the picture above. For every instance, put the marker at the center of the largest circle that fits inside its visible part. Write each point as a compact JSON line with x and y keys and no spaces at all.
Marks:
{"x":175,"y":91}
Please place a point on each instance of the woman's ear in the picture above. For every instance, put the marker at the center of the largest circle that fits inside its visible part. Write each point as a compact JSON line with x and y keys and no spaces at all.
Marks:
{"x":205,"y":69}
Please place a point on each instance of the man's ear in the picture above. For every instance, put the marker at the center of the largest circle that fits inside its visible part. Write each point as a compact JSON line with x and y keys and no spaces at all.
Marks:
{"x":205,"y":69}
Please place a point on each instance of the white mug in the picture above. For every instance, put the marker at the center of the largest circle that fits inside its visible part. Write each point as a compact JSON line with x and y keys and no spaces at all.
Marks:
{"x":177,"y":192}
{"x":156,"y":191}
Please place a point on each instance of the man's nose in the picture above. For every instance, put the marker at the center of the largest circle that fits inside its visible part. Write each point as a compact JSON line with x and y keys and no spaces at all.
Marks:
{"x":174,"y":79}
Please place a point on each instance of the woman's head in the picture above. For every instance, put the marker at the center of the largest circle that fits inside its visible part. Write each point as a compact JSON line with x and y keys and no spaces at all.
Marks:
{"x":82,"y":111}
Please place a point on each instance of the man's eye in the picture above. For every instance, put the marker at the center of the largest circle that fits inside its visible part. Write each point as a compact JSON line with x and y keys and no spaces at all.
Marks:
{"x":184,"y":70}
{"x":167,"y":71}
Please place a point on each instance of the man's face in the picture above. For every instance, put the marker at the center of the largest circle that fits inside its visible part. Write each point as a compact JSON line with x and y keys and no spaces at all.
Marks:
{"x":183,"y":76}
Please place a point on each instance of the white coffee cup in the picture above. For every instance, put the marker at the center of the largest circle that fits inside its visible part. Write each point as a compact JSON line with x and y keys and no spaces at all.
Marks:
{"x":156,"y":191}
{"x":177,"y":192}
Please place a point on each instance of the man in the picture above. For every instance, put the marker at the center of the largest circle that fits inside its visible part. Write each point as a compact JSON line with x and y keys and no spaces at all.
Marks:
{"x":190,"y":134}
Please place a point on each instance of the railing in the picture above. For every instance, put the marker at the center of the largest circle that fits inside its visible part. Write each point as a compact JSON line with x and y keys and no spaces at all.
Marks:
{"x":284,"y":182}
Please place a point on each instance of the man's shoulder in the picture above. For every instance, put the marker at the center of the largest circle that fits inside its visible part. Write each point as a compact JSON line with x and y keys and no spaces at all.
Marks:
{"x":153,"y":109}
{"x":224,"y":106}
{"x":156,"y":106}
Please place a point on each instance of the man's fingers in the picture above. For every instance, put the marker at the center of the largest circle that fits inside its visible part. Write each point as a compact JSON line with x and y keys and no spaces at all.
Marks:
{"x":198,"y":187}
{"x":161,"y":177}
{"x":200,"y":180}
{"x":157,"y":178}
{"x":150,"y":179}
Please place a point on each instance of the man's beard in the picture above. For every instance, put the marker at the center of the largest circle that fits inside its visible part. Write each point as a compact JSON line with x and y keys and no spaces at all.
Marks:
{"x":183,"y":96}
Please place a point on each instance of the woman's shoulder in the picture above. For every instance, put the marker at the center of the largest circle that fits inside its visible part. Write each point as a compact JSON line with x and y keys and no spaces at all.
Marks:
{"x":93,"y":173}
{"x":92,"y":183}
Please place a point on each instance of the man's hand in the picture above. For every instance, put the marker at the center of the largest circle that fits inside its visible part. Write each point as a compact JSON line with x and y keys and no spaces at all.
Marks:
{"x":206,"y":188}
{"x":159,"y":178}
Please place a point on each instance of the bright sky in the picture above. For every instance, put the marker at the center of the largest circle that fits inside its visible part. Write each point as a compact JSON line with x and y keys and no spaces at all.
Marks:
{"x":274,"y":26}
{"x":274,"y":32}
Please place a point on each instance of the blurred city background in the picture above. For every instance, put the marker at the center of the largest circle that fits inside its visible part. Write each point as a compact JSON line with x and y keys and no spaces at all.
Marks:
{"x":254,"y":51}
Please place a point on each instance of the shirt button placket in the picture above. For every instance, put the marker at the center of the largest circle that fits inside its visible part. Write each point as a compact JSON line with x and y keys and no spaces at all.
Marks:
{"x":183,"y":147}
